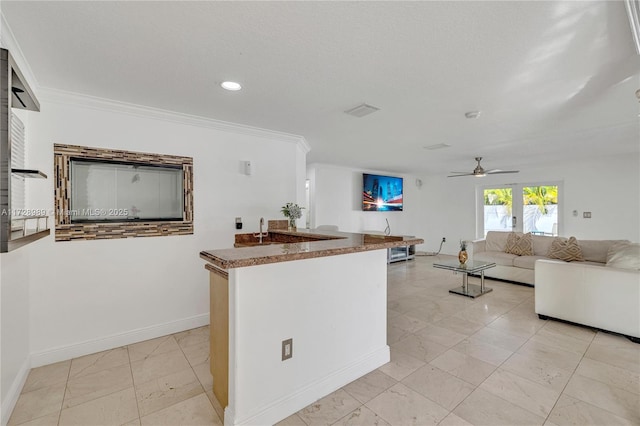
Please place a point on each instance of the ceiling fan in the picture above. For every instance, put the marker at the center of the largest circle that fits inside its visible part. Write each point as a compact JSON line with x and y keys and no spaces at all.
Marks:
{"x":481,"y":172}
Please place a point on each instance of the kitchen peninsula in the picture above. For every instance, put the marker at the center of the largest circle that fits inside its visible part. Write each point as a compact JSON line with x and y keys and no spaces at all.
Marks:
{"x":325,"y":290}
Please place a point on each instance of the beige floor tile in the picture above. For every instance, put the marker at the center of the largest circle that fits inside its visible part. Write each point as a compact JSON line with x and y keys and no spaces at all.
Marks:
{"x":499,"y":338}
{"x":465,"y":367}
{"x":203,"y":372}
{"x":521,"y":392}
{"x":401,"y":365}
{"x":483,"y":351}
{"x":405,"y":304}
{"x":92,"y":386}
{"x":47,"y":375}
{"x":134,"y":422}
{"x":369,"y":386}
{"x":157,"y":366}
{"x":329,"y":409}
{"x":427,"y":314}
{"x":361,"y":416}
{"x":402,"y":326}
{"x":559,"y":358}
{"x":459,"y":325}
{"x":419,"y":348}
{"x":391,"y":314}
{"x":622,"y":355}
{"x":93,"y":363}
{"x":191,"y":337}
{"x":114,"y":409}
{"x":523,"y":327}
{"x":216,"y":405}
{"x":440,"y":335}
{"x":195,"y":411}
{"x":195,"y":345}
{"x":292,"y":420}
{"x":575,"y":331}
{"x":48,"y":420}
{"x":167,"y":390}
{"x":561,"y":341}
{"x":614,"y":340}
{"x":615,"y":400}
{"x":38,"y":403}
{"x":610,"y":375}
{"x":453,"y":420}
{"x":537,"y":371}
{"x":439,"y":386}
{"x":152,"y":347}
{"x":483,"y":408}
{"x":569,"y":411}
{"x":400,"y":405}
{"x":476,"y":316}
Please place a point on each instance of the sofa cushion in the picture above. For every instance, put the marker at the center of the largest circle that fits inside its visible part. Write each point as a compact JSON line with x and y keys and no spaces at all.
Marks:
{"x":497,"y":257}
{"x":542,"y":244}
{"x":624,"y":256}
{"x":519,"y":244}
{"x":566,"y":250}
{"x":496,"y":240}
{"x":596,"y":250}
{"x":527,"y":262}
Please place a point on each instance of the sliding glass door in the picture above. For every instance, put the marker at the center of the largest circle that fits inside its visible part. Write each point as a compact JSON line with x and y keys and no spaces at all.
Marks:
{"x":518,"y":207}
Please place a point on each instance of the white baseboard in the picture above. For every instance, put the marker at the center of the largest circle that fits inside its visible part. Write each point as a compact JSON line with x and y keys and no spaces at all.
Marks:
{"x":290,"y":404}
{"x":12,"y":395}
{"x":75,"y":350}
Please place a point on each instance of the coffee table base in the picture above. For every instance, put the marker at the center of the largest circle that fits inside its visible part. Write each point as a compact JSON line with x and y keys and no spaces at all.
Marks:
{"x":471,"y":290}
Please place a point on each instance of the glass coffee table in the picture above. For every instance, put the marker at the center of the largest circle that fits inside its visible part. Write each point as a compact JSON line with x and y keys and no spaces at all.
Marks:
{"x":471,"y":267}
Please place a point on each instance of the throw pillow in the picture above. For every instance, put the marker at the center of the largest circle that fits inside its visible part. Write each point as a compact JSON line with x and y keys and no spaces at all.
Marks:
{"x":521,"y":245}
{"x":568,"y":250}
{"x":624,"y":256}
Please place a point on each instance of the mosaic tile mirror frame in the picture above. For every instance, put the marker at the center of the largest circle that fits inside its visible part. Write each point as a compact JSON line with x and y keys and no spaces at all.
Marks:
{"x":115,"y":191}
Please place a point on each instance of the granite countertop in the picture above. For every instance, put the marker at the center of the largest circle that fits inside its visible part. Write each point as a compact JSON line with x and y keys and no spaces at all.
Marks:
{"x":325,"y":243}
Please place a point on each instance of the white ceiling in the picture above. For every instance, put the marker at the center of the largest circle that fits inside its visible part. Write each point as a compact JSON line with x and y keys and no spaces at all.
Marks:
{"x":554,"y":80}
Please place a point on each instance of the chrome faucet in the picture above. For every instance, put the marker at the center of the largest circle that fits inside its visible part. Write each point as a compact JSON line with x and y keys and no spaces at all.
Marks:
{"x":261,"y":234}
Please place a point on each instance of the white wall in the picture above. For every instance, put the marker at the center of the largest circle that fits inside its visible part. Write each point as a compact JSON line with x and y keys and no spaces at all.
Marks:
{"x":334,"y":309}
{"x":92,"y":295}
{"x":336,"y":199}
{"x":609,"y":187}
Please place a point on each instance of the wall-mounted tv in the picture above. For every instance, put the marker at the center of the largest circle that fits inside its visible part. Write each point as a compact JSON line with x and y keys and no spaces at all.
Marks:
{"x":381,"y":193}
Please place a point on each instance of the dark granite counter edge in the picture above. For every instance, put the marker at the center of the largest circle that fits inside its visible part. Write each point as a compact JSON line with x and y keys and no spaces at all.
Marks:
{"x":298,"y":252}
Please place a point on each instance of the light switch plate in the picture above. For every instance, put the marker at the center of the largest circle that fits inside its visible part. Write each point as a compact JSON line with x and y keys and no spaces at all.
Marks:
{"x":287,"y":349}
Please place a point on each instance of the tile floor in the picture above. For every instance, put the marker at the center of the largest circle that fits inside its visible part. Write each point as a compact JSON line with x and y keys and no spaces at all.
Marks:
{"x":454,"y":361}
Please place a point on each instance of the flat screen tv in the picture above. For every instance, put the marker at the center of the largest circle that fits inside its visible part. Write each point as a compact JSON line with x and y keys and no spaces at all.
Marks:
{"x":381,"y":193}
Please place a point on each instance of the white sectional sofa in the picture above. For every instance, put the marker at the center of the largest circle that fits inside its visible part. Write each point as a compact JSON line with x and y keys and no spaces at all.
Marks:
{"x":603,"y":291}
{"x":520,"y":269}
{"x":603,"y":297}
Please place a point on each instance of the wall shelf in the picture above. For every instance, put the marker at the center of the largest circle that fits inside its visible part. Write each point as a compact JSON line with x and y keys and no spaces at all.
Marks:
{"x":15,"y":231}
{"x":29,"y":173}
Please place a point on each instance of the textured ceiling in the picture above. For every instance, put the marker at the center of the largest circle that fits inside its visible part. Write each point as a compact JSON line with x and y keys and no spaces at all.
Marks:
{"x":554,"y":80}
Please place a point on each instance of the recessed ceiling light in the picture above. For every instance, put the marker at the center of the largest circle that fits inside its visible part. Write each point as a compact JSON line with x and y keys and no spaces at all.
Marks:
{"x":472,"y":114}
{"x":231,"y":85}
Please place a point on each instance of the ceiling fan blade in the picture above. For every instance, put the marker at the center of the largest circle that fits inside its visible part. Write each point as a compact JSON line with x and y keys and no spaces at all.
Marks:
{"x":498,"y":172}
{"x":464,"y":174}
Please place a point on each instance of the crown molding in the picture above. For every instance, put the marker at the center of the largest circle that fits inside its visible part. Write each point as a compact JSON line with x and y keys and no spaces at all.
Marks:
{"x":8,"y":41}
{"x":102,"y":104}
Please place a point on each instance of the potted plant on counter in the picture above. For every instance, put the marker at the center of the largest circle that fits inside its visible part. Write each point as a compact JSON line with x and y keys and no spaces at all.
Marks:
{"x":292,"y":211}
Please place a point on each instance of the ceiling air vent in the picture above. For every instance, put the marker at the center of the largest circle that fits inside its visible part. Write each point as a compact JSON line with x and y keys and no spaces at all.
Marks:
{"x":437,"y":146}
{"x":362,"y":110}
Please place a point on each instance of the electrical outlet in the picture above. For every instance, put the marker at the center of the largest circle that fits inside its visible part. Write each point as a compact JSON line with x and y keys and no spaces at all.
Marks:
{"x":287,"y":349}
{"x":444,"y":240}
{"x":586,"y":215}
